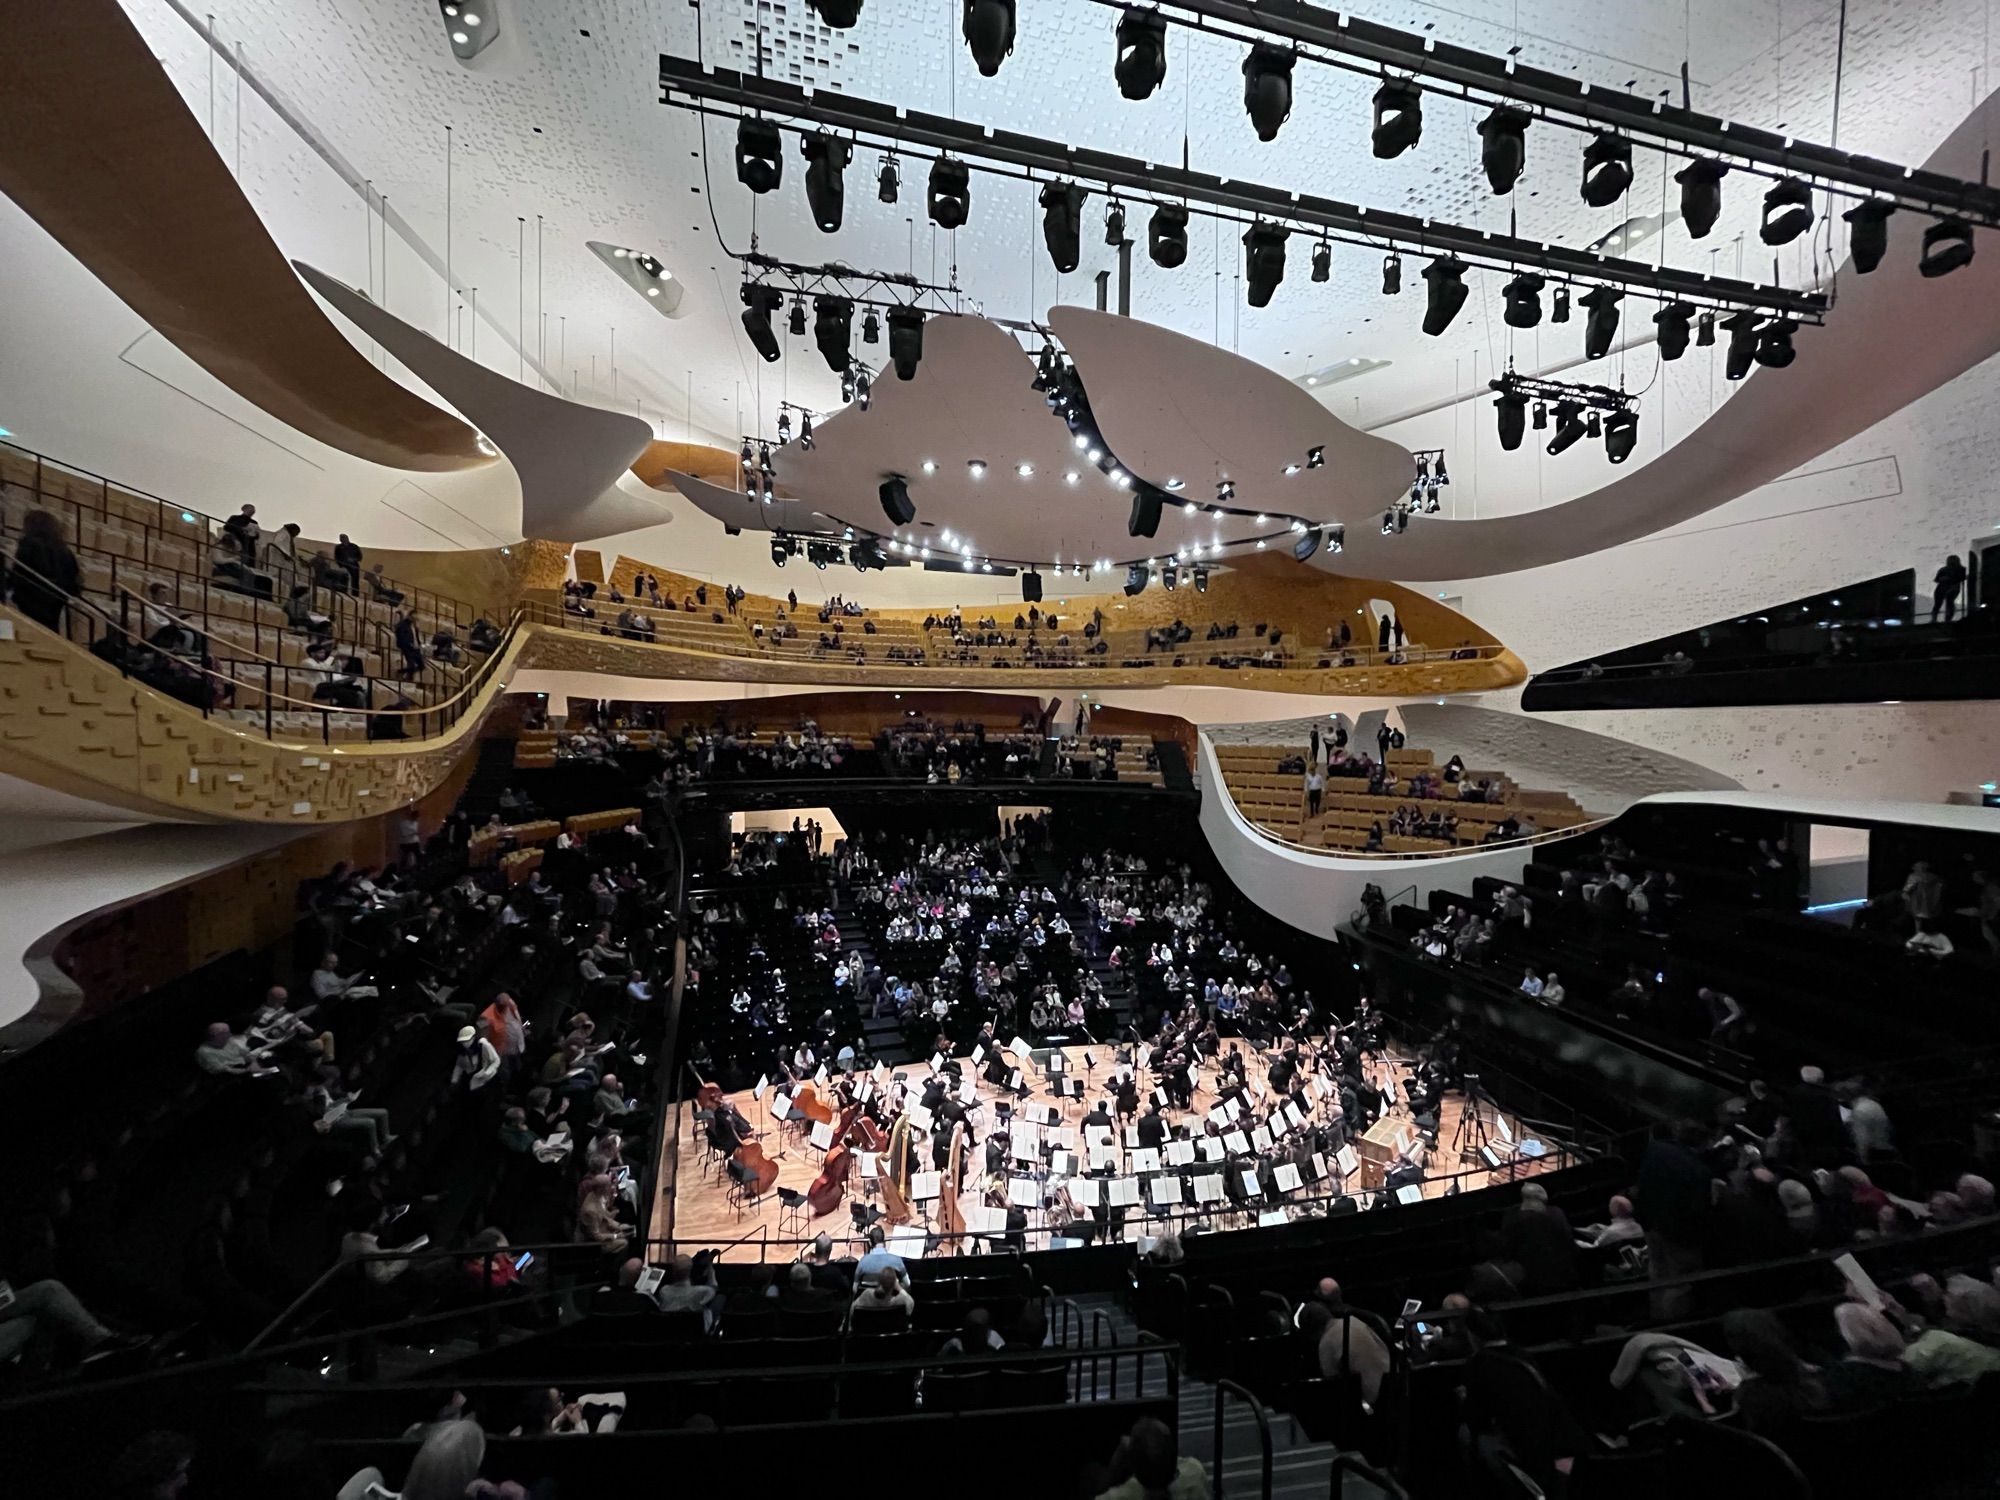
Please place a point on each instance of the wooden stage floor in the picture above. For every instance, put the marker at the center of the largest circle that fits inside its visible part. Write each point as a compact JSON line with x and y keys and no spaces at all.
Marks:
{"x":697,"y":1202}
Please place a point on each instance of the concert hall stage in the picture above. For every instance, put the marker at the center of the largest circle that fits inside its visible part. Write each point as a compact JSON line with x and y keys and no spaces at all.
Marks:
{"x":700,"y":1208}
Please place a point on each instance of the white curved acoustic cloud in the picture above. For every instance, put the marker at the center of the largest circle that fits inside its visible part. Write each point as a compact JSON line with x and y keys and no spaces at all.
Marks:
{"x":569,"y":457}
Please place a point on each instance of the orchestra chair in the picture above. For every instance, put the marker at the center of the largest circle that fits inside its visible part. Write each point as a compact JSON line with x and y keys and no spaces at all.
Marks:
{"x":791,"y":1212}
{"x":742,"y":1186}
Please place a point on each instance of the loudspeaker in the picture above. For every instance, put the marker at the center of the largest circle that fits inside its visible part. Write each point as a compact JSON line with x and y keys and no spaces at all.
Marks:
{"x":1031,"y":588}
{"x":896,"y":502}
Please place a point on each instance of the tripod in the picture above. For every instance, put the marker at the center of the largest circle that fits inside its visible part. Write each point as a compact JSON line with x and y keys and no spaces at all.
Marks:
{"x":1471,"y":1137}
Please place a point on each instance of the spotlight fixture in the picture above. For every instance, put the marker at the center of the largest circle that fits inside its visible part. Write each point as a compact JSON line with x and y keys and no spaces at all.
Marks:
{"x":861,"y":388}
{"x":1336,"y":538}
{"x":748,"y":455}
{"x":1593,"y":425}
{"x":896,"y":502}
{"x":1267,"y":88}
{"x":806,"y":432}
{"x":1503,"y":148}
{"x":1323,"y":261}
{"x":1307,"y":544}
{"x":1170,"y":576}
{"x":1868,"y":233}
{"x":1062,"y":224}
{"x":1601,"y":326}
{"x":1559,"y":309}
{"x":866,"y":555}
{"x":760,"y":155}
{"x":1701,"y":194}
{"x":1114,"y":223}
{"x":797,"y":321}
{"x":889,"y":180}
{"x":833,"y":324}
{"x":784,"y":428}
{"x":906,"y":340}
{"x":1621,"y":434}
{"x":1200,"y":580}
{"x":759,"y":302}
{"x":1569,"y":427}
{"x":1166,"y":235}
{"x":1704,"y":331}
{"x":1135,"y":579}
{"x":1031,"y":586}
{"x":1142,"y":52}
{"x":1399,"y":118}
{"x":826,"y":157}
{"x":764,"y":459}
{"x":1316,"y":456}
{"x":1742,"y":331}
{"x":1263,"y":261}
{"x":949,"y":200}
{"x":1774,"y":343}
{"x":1607,"y":169}
{"x":1788,"y":212}
{"x":839,"y":14}
{"x":1672,"y":323}
{"x":781,"y":549}
{"x":871,"y":328}
{"x":1225,"y":491}
{"x":976,"y":468}
{"x":847,"y":384}
{"x":1524,"y":301}
{"x":1947,"y":246}
{"x":1512,"y":407}
{"x":1445,"y":293}
{"x":1144,"y":519}
{"x":1541,"y":416}
{"x":989,"y":33}
{"x":1392,"y":274}
{"x":471,"y":32}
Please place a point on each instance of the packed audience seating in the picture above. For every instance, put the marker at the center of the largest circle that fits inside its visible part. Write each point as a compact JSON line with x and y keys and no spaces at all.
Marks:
{"x":1401,"y":801}
{"x":245,"y":620}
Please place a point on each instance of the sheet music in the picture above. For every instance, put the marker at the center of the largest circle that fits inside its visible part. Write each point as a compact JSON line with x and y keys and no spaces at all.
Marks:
{"x":881,"y":1074}
{"x":869,"y":1164}
{"x":937,"y":1062}
{"x":1237,"y":1142}
{"x":1208,"y":1188}
{"x":978,"y":1054}
{"x":1410,"y":1194}
{"x":1349,"y":1162}
{"x":1103,"y":1158}
{"x":781,"y":1108}
{"x":1124,"y":1192}
{"x":979,"y":1219}
{"x":1097,"y":1135}
{"x":1166,"y":1190}
{"x":1063,"y":1164}
{"x":1211,"y":1148}
{"x":968,"y":1091}
{"x":1232,"y":1107}
{"x":1217,"y":1115}
{"x":821,"y":1076}
{"x":1501,"y":1122}
{"x":1145,"y":1160}
{"x":1270,"y":1218}
{"x":822,"y":1134}
{"x":1389,"y":1090}
{"x":1287,"y":1177}
{"x":1014,"y":1079}
{"x":1248,"y":1177}
{"x":1261,"y":1138}
{"x":1061,"y":1136}
{"x":909,"y":1243}
{"x":919,"y":1117}
{"x":1023,"y":1192}
{"x":1019,"y":1047}
{"x":1180,"y":1153}
{"x":1131,"y":1137}
{"x":1257,"y":1088}
{"x":925,"y":1186}
{"x":1027,"y":1143}
{"x":1086,"y":1192}
{"x":1294,"y":1116}
{"x":1319,"y":1165}
{"x":763,"y":1082}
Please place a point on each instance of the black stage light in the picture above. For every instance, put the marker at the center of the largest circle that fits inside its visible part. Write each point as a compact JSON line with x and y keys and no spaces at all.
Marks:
{"x":1788,"y":212}
{"x":1704,"y":331}
{"x":1672,"y":323}
{"x":1336,"y":538}
{"x":1592,"y":426}
{"x":1742,"y":331}
{"x":1512,"y":407}
{"x":1170,"y":576}
{"x":764,"y":459}
{"x":1868,"y":233}
{"x":1607,"y":169}
{"x":1145,"y":517}
{"x":906,"y":340}
{"x":1559,"y":313}
{"x":1166,"y":235}
{"x":1600,"y":327}
{"x":1392,"y":275}
{"x":1621,"y":434}
{"x":1307,"y":544}
{"x":871,"y":328}
{"x":861,"y":388}
{"x":1114,"y":223}
{"x":1062,"y":223}
{"x":1267,"y":88}
{"x":784,"y":428}
{"x":989,"y":32}
{"x":847,"y":384}
{"x":896,"y":502}
{"x":759,"y":302}
{"x":839,"y":14}
{"x":826,"y":186}
{"x":1264,"y":261}
{"x":1947,"y":246}
{"x":1316,"y":456}
{"x":1445,"y":293}
{"x":779,"y":551}
{"x":1569,"y":427}
{"x":1142,"y":52}
{"x":1201,"y":580}
{"x":950,"y":196}
{"x":1774,"y":343}
{"x":1399,"y":118}
{"x":1503,"y":149}
{"x":806,"y":432}
{"x":1524,"y":301}
{"x":1701,"y":194}
{"x":888,"y":181}
{"x":1541,"y":415}
{"x":1135,"y":579}
{"x":1323,"y":261}
{"x":748,"y":455}
{"x":760,"y":155}
{"x":833,"y":324}
{"x":797,"y":321}
{"x":1031,"y":587}
{"x":866,"y":555}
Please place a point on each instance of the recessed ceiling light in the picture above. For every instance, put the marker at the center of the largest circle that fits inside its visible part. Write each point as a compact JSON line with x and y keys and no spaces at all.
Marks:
{"x":1291,"y":469}
{"x":1262,"y":519}
{"x":471,"y":18}
{"x":1190,"y":507}
{"x":1071,"y":477}
{"x":1094,"y":454}
{"x":621,"y":254}
{"x":652,"y":291}
{"x":977,"y":468}
{"x":930,"y":466}
{"x":1082,"y":442}
{"x":1312,"y":380}
{"x":1024,"y":470}
{"x":460,"y":37}
{"x":1175,"y":482}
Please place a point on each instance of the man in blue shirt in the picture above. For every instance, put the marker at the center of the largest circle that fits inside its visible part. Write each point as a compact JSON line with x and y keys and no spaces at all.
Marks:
{"x":878,"y":1256}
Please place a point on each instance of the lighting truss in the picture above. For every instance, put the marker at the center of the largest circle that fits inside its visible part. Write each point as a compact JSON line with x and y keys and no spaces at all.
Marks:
{"x":1601,"y":398}
{"x":877,"y":289}
{"x":1424,"y":497}
{"x":1345,"y":41}
{"x":686,"y":84}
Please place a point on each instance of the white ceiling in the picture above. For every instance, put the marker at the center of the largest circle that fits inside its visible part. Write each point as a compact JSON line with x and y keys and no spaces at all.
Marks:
{"x":568,"y":136}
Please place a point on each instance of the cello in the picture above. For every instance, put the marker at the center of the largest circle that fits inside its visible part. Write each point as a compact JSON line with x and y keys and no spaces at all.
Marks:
{"x":830,"y":1186}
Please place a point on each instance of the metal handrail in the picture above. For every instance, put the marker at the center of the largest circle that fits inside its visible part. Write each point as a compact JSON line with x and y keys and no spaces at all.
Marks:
{"x":1224,"y":1388}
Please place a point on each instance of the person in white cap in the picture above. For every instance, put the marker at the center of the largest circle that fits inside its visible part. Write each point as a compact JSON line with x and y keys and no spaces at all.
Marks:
{"x":477,"y":1063}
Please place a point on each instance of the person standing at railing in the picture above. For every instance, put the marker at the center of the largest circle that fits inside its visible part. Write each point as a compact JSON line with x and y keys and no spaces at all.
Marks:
{"x":44,"y":575}
{"x":242,"y":529}
{"x":347,"y":556}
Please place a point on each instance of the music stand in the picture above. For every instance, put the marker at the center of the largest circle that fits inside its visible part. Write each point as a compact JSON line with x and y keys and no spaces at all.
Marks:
{"x":1471,"y":1138}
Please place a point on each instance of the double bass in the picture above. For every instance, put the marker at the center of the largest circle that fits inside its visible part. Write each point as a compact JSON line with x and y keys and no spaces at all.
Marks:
{"x":759,"y":1172}
{"x":830,"y":1186}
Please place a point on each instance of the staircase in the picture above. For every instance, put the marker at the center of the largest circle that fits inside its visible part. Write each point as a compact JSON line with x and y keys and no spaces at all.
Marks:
{"x":883,"y":1035}
{"x":1299,"y":1468}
